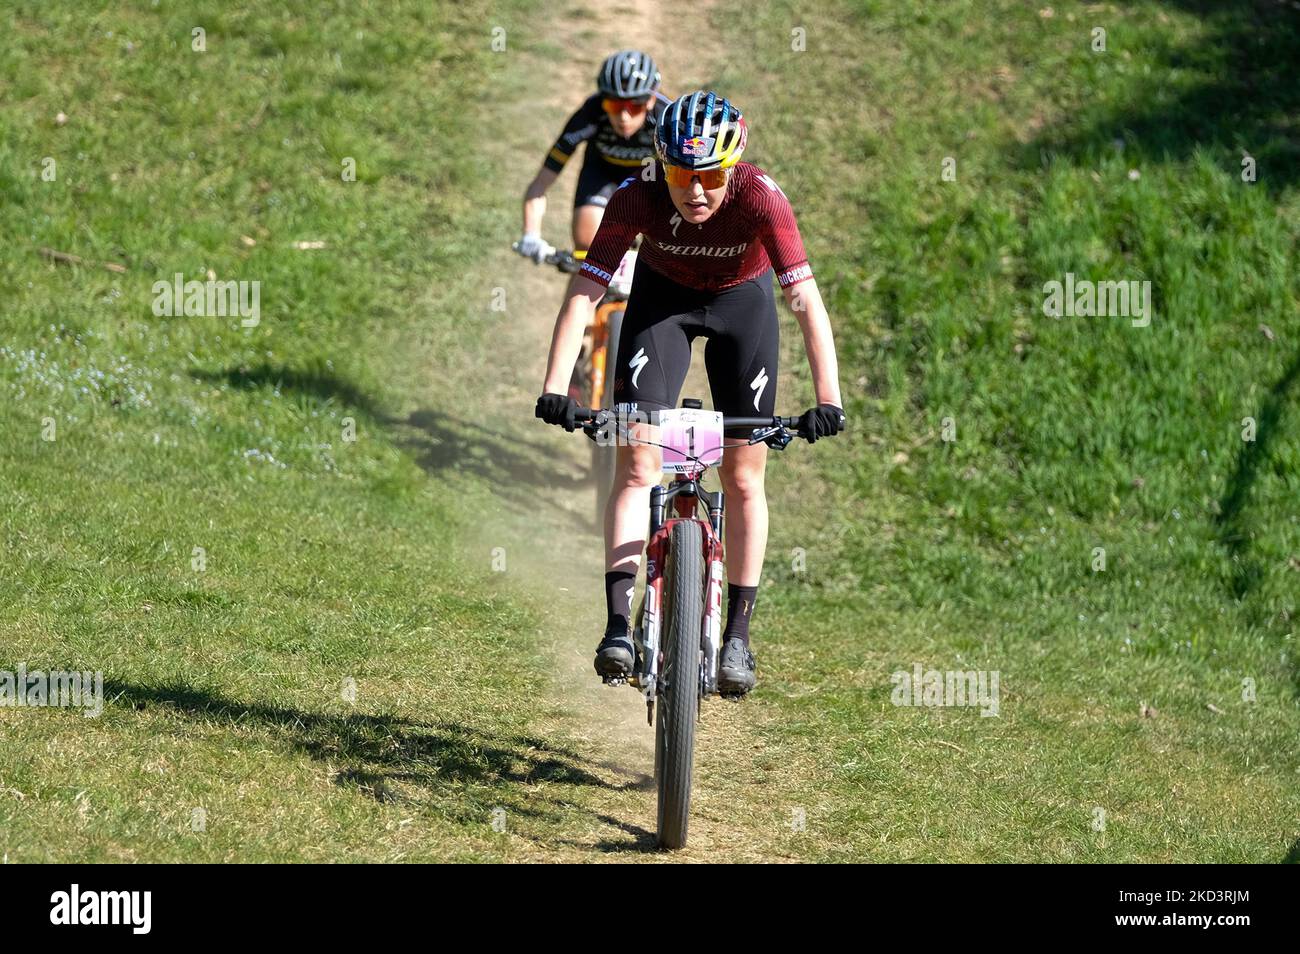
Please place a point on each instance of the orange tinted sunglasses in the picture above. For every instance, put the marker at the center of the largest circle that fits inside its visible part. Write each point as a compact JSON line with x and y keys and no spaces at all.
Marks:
{"x":709,"y":178}
{"x":633,"y":106}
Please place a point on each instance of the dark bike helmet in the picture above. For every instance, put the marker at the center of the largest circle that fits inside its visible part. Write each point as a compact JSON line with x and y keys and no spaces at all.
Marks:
{"x":628,"y":74}
{"x":700,"y":130}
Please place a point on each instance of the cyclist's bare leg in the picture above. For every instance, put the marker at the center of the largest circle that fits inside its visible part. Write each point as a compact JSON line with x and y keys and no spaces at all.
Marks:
{"x":627,"y":515}
{"x":586,"y":220}
{"x":741,"y":472}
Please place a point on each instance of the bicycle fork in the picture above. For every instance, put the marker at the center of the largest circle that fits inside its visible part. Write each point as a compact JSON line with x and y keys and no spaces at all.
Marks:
{"x":712,"y":628}
{"x":646,"y":635}
{"x":711,"y":624}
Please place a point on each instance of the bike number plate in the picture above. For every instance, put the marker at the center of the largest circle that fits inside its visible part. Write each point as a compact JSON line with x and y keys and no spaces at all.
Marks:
{"x":691,"y":438}
{"x":621,"y":283}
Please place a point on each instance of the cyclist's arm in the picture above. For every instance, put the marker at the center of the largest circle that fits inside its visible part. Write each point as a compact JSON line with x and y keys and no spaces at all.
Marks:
{"x":580,"y":127}
{"x":535,"y":199}
{"x":805,"y":301}
{"x":618,"y":228}
{"x":784,"y":244}
{"x":566,"y":342}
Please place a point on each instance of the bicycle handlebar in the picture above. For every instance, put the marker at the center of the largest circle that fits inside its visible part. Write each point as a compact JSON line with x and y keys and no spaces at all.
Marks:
{"x":786,"y":422}
{"x":563,"y":259}
{"x":586,"y":418}
{"x":586,"y":415}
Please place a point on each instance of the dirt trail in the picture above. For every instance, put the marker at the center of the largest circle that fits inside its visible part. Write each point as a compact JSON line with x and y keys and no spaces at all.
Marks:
{"x":563,"y":579}
{"x":609,"y":723}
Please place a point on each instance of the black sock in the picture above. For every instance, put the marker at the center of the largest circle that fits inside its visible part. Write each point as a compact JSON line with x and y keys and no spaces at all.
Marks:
{"x":740,"y":607}
{"x":619,"y":586}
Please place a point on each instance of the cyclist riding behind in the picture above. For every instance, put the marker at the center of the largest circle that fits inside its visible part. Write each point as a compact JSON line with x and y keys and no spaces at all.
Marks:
{"x":713,"y":231}
{"x":614,"y":125}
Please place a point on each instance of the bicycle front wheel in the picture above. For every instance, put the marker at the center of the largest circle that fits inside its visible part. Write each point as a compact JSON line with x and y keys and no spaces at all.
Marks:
{"x":679,"y":696}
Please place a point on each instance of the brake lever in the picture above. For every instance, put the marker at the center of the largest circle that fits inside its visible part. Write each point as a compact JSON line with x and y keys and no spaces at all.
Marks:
{"x":596,"y":425}
{"x":778,"y":438}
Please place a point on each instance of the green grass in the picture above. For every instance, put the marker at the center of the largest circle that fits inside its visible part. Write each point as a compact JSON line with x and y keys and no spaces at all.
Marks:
{"x":322,"y":559}
{"x":327,"y":563}
{"x":1071,"y":434}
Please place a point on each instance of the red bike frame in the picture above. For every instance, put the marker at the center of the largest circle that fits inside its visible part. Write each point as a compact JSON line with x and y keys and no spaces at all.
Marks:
{"x":686,"y":494}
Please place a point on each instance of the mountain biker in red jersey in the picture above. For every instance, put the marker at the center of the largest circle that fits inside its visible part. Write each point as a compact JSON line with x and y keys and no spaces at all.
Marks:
{"x":613,"y":123}
{"x":714,"y":230}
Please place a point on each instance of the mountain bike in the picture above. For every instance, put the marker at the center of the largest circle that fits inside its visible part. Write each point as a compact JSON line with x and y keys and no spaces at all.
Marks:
{"x":677,"y":634}
{"x":591,"y":384}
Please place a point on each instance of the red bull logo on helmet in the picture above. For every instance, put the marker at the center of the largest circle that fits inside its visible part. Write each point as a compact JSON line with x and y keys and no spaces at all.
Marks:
{"x":697,"y":146}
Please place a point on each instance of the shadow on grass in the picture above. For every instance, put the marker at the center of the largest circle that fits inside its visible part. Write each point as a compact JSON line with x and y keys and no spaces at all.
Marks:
{"x":1230,"y":92}
{"x":377,"y":755}
{"x":1232,"y":527}
{"x":322,"y":384}
{"x":519,"y":472}
{"x":1232,"y":532}
{"x":640,"y":840}
{"x":1247,"y":101}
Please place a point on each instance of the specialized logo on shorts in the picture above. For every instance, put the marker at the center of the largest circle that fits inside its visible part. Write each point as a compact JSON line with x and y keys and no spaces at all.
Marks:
{"x":759,"y":384}
{"x":699,"y":146}
{"x":638,"y":362}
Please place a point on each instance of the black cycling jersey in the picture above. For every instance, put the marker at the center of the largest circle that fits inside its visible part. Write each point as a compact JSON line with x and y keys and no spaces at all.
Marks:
{"x":590,"y":124}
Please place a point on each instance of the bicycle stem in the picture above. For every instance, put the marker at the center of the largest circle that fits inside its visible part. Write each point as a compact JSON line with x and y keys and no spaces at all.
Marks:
{"x":686,"y":493}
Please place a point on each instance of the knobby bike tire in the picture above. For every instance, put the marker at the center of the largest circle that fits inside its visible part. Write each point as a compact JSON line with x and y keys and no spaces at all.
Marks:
{"x":678,"y":703}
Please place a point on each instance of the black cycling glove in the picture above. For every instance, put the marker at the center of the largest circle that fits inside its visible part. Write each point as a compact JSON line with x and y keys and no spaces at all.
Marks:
{"x":825,"y":420}
{"x":558,"y":409}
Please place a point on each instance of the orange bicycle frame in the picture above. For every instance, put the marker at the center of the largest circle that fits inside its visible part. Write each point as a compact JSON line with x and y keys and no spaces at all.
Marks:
{"x":600,"y":358}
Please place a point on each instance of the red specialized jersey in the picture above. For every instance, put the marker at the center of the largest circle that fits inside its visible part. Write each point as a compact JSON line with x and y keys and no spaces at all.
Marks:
{"x":753,"y":229}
